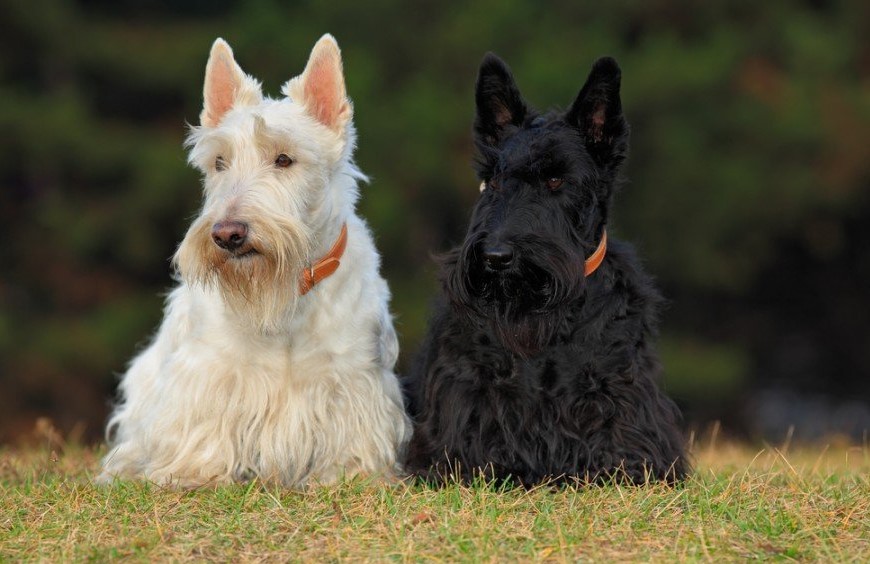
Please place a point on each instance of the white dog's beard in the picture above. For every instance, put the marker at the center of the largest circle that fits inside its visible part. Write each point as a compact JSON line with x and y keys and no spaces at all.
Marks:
{"x":258,"y":291}
{"x":261,"y":289}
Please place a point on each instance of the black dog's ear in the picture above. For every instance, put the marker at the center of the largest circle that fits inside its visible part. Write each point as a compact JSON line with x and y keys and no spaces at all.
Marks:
{"x":597,"y":112}
{"x":499,"y":102}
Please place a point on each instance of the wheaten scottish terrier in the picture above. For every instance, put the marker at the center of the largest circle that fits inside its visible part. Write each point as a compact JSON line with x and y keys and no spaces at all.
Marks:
{"x":275,"y":357}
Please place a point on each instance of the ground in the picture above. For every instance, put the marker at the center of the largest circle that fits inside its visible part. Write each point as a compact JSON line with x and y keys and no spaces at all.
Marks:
{"x":785,"y":502}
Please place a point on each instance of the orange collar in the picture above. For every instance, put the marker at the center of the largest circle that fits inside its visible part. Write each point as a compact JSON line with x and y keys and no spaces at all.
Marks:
{"x":325,"y":266}
{"x":596,"y":258}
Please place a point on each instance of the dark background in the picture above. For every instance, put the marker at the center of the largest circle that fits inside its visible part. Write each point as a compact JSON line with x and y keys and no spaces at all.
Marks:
{"x":748,"y":190}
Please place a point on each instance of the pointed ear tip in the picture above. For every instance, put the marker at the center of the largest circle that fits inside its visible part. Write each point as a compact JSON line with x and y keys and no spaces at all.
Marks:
{"x":606,"y":65}
{"x":494,"y":66}
{"x":220,"y":45}
{"x":490,"y":59}
{"x":326,"y":43}
{"x":328,"y":37}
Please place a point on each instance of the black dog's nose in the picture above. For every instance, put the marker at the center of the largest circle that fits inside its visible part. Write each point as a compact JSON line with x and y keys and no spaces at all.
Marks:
{"x":498,"y":258}
{"x":229,"y":235}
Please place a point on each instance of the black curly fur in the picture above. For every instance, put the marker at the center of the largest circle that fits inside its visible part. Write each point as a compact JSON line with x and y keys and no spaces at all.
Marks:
{"x":535,"y":372}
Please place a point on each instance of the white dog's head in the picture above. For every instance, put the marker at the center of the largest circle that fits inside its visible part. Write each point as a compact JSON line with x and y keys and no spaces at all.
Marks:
{"x":278,"y":181}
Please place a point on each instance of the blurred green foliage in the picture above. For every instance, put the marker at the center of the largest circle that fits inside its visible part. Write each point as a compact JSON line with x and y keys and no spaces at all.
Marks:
{"x":750,"y":140}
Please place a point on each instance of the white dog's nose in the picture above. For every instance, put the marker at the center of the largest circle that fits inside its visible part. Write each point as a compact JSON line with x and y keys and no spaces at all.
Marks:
{"x":229,"y":235}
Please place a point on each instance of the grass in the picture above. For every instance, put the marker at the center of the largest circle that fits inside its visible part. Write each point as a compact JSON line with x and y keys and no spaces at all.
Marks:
{"x":742,"y":503}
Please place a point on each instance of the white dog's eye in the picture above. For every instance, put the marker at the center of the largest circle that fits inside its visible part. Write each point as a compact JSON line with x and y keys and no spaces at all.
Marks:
{"x":220,"y":164}
{"x":283,"y":161}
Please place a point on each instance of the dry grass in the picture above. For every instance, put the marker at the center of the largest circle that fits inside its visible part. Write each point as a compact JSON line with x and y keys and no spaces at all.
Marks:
{"x":806,"y":504}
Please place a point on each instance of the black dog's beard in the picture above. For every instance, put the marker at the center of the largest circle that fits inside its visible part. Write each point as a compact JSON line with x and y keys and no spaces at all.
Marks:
{"x":525,"y":304}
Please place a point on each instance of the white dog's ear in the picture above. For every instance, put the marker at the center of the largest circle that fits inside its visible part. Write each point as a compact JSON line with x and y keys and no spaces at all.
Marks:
{"x":226,"y":85}
{"x":320,"y":87}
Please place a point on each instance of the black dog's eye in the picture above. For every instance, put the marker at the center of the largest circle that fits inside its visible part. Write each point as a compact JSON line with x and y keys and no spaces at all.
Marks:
{"x":220,"y":164}
{"x":283,"y":161}
{"x":554,"y":183}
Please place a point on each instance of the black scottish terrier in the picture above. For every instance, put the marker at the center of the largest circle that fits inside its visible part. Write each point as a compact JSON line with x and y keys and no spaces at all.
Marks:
{"x":540,"y":363}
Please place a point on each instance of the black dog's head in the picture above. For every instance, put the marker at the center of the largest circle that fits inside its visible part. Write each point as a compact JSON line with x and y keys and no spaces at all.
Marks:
{"x":547,"y":185}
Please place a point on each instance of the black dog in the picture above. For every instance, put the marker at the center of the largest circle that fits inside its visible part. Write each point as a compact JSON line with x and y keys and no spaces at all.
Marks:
{"x":539,"y":363}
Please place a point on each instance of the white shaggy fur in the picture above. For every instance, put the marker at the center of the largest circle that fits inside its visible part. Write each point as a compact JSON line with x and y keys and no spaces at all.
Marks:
{"x":245,"y":377}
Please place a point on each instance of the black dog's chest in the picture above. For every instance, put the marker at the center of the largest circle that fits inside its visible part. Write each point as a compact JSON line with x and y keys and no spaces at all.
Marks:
{"x":541,"y":390}
{"x":535,"y":377}
{"x":561,"y":365}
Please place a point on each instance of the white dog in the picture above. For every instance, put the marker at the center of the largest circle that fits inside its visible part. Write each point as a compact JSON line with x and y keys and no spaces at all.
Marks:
{"x":275,"y":357}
